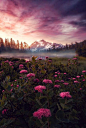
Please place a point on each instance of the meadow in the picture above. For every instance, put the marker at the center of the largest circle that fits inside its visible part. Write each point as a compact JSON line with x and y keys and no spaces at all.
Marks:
{"x":38,"y":93}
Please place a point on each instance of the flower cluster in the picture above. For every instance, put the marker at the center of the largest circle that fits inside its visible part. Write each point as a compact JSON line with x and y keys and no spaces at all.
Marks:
{"x":21,"y":66}
{"x":42,"y":112}
{"x":83,"y":71}
{"x":47,"y":81}
{"x":30,"y":75}
{"x":57,"y":86}
{"x":23,"y":71}
{"x":65,"y":94}
{"x":65,"y":83}
{"x":39,"y":88}
{"x":4,"y":111}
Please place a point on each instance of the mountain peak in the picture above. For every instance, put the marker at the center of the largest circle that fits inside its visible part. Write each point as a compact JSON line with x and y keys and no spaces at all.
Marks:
{"x":43,"y":45}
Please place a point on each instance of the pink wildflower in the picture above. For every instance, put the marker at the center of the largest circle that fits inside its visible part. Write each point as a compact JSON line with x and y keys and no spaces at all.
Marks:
{"x":57,"y":86}
{"x":65,"y":73}
{"x":23,"y":71}
{"x":15,"y":80}
{"x":55,"y":72}
{"x":59,"y":73}
{"x":21,"y":66}
{"x":62,"y":81}
{"x":83,"y":80}
{"x":4,"y":111}
{"x":2,"y":90}
{"x":78,"y":76}
{"x":65,"y":94}
{"x":81,"y":75}
{"x":76,"y":81}
{"x":74,"y":59}
{"x":42,"y":112}
{"x":11,"y":90}
{"x":17,"y":86}
{"x":65,"y":83}
{"x":55,"y":75}
{"x":36,"y":80}
{"x":20,"y":77}
{"x":40,"y":58}
{"x":30,"y":75}
{"x":39,"y":88}
{"x":47,"y":81}
{"x":47,"y":57}
{"x":11,"y":85}
{"x":27,"y":61}
{"x":57,"y":81}
{"x":74,"y":78}
{"x":80,"y":88}
{"x":83,"y":71}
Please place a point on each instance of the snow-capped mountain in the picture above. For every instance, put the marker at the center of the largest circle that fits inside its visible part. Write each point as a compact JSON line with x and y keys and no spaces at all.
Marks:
{"x":43,"y":45}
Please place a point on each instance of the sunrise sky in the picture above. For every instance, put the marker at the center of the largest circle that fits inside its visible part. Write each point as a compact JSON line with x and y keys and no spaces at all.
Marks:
{"x":58,"y":21}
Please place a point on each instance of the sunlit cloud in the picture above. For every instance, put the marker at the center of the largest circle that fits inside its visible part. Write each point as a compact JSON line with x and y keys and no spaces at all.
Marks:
{"x":51,"y":20}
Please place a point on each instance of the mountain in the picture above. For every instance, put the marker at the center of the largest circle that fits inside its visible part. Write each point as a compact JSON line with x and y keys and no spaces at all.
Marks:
{"x":43,"y":45}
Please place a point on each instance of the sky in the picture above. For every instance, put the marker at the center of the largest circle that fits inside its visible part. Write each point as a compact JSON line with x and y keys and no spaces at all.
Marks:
{"x":57,"y":21}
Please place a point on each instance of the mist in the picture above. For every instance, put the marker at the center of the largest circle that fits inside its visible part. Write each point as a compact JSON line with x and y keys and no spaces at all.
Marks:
{"x":28,"y":56}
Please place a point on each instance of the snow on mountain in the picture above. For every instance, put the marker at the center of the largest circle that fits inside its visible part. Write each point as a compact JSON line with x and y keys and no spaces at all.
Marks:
{"x":43,"y":45}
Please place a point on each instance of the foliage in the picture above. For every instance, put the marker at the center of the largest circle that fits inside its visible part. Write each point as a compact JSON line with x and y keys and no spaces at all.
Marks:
{"x":19,"y":99}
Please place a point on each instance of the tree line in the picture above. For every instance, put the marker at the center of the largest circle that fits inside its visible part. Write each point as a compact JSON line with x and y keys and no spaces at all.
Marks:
{"x":80,"y":48}
{"x":6,"y":46}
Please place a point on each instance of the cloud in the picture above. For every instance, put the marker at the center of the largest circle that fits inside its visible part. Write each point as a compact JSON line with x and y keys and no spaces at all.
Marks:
{"x":48,"y":19}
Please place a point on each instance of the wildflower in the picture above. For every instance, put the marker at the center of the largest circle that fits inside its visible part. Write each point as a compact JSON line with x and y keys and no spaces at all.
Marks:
{"x":36,"y":80}
{"x":42,"y":112}
{"x":11,"y":85}
{"x":30,"y":75}
{"x":80,"y":88}
{"x":23,"y":71}
{"x":55,"y":72}
{"x":81,"y":75}
{"x":39,"y":88}
{"x":57,"y":86}
{"x":55,"y":75}
{"x":83,"y":71}
{"x":4,"y":111}
{"x":17,"y":85}
{"x":74,"y":59}
{"x":65,"y":94}
{"x":27,"y":61}
{"x":62,"y":81}
{"x":21,"y":66}
{"x":47,"y":57}
{"x":20,"y":77}
{"x":11,"y":90}
{"x":74,"y":78}
{"x":59,"y":73}
{"x":76,"y":81}
{"x":78,"y":76}
{"x":40,"y":58}
{"x":2,"y":90}
{"x":15,"y":80}
{"x":49,"y":60}
{"x":57,"y":81}
{"x":65,"y":73}
{"x":83,"y":80}
{"x":47,"y":81}
{"x":65,"y":83}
